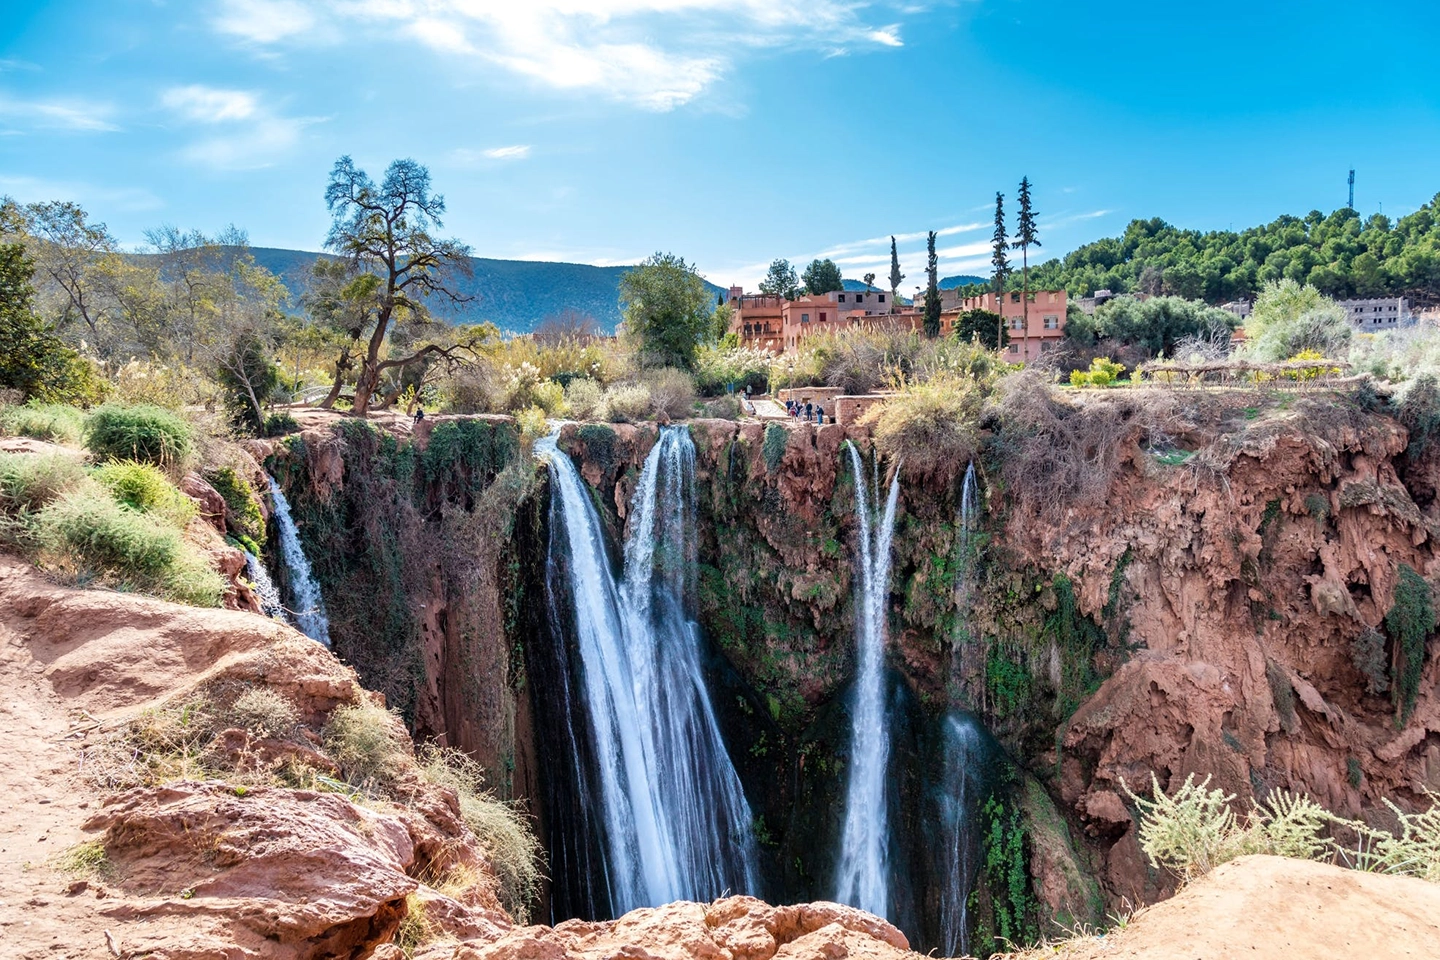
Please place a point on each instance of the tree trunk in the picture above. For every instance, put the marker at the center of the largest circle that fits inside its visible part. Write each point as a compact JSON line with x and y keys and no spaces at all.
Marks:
{"x":370,"y":367}
{"x":1025,"y":304}
{"x":342,"y":365}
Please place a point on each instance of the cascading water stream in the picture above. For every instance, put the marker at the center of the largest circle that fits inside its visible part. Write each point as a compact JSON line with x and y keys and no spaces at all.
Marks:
{"x":265,"y":589}
{"x":964,"y":753}
{"x":309,"y":606}
{"x":675,"y":820}
{"x":863,"y":878}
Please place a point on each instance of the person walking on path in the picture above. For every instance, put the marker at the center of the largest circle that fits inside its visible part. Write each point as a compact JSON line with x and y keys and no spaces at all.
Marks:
{"x":809,"y":411}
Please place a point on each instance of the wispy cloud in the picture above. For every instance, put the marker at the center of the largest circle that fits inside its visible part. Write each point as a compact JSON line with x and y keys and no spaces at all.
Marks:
{"x":34,"y":189}
{"x":248,"y":133}
{"x":656,"y":54}
{"x":516,"y":152}
{"x":81,"y":116}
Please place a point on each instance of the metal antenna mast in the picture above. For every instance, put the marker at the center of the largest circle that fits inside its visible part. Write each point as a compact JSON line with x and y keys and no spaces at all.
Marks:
{"x":1352,"y":188}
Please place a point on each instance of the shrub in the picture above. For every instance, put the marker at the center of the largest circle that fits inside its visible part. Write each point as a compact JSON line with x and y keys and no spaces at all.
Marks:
{"x":1419,"y":411}
{"x":532,"y":423}
{"x":264,"y":712}
{"x":367,"y":742}
{"x":1367,"y":653}
{"x":777,"y":438}
{"x":672,"y":393}
{"x":720,"y":369}
{"x":929,"y":426}
{"x":722,"y":408}
{"x":1102,"y":373}
{"x":190,"y":579}
{"x":1194,"y":831}
{"x":86,"y":859}
{"x":584,"y":399}
{"x":103,"y":535}
{"x":144,"y":488}
{"x":241,"y":501}
{"x":627,"y":403}
{"x":44,"y":421}
{"x":30,"y":481}
{"x":501,"y":828}
{"x":145,"y":434}
{"x":280,"y":424}
{"x":1409,"y":622}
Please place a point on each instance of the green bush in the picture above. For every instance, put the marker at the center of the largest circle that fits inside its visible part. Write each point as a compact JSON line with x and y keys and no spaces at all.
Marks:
{"x":30,"y":481}
{"x":145,"y":434}
{"x":1103,"y":372}
{"x":627,"y":403}
{"x":242,"y":502}
{"x":1409,"y":622}
{"x":104,"y":535}
{"x":280,"y":424}
{"x":144,"y":488}
{"x":584,"y":399}
{"x":777,"y":438}
{"x":44,"y":421}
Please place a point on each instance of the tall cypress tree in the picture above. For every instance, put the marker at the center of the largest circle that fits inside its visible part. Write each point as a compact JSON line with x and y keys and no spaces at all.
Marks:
{"x":1025,"y":238}
{"x":932,"y":289}
{"x":895,"y":275}
{"x":1000,"y":262}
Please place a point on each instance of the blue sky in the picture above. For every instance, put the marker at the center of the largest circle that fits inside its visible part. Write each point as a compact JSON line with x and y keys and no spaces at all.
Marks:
{"x":729,"y":131}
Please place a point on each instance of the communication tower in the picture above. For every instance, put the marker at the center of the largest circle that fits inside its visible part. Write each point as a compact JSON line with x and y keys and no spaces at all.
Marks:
{"x":1352,"y":188}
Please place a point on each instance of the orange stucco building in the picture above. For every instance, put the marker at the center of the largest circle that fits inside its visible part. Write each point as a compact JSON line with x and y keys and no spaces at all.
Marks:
{"x":1046,"y":314}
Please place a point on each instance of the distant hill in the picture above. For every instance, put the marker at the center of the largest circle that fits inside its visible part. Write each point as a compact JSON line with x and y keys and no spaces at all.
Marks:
{"x":515,"y":295}
{"x":963,"y":280}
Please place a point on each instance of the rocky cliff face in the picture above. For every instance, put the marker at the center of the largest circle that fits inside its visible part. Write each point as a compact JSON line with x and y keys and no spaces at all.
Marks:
{"x":1166,"y":584}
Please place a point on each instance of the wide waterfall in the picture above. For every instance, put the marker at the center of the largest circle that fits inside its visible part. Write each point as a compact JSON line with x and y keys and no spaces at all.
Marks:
{"x":265,"y":589}
{"x":864,"y":870}
{"x":660,"y":784}
{"x":308,"y":606}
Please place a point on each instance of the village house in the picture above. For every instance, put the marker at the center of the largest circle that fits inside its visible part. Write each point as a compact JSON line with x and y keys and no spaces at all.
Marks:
{"x":1046,"y":311}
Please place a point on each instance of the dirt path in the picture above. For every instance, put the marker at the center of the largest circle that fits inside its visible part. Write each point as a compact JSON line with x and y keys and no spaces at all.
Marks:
{"x":42,"y":804}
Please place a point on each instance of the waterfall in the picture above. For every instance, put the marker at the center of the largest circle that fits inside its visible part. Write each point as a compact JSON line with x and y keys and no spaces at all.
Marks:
{"x":967,"y":510}
{"x":309,"y":606}
{"x":265,"y":590}
{"x":961,"y":788}
{"x":864,"y":880}
{"x":675,"y":820}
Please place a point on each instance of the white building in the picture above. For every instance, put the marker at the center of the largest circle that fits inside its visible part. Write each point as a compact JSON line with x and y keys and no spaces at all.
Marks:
{"x":1378,"y":313}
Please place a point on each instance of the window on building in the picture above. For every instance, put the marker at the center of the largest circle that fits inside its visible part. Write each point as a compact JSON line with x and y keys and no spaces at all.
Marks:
{"x":1014,"y":348}
{"x":1014,"y":298}
{"x":842,"y":298}
{"x":1017,"y":323}
{"x":822,"y":316}
{"x":804,"y":318}
{"x":881,"y":297}
{"x":1052,"y":323}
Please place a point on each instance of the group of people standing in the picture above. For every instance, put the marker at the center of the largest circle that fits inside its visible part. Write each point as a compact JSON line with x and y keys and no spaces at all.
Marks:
{"x":807,"y":411}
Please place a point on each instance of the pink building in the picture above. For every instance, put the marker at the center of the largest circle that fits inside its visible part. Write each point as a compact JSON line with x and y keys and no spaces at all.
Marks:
{"x":1046,"y":312}
{"x":769,"y":322}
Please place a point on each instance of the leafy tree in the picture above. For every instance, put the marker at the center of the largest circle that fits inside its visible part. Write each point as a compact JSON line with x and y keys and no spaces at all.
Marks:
{"x":1289,"y":317}
{"x":999,"y":262}
{"x":821,"y":277}
{"x":1155,"y":325}
{"x":666,"y":310}
{"x":32,"y":358}
{"x":340,"y":304}
{"x":895,"y":276}
{"x":982,"y":327}
{"x":248,"y":376}
{"x":869,"y":279}
{"x":781,"y":281}
{"x":932,"y":289}
{"x":1025,"y":238}
{"x":71,"y":253}
{"x":387,"y":230}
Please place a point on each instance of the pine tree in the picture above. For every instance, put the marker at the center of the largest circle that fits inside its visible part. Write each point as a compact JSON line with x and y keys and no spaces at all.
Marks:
{"x":932,"y":289}
{"x":999,"y":261}
{"x":895,"y":275}
{"x":1025,"y":238}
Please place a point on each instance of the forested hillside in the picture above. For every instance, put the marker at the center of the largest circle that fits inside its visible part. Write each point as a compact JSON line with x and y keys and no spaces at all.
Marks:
{"x":1341,"y":254}
{"x":515,"y":295}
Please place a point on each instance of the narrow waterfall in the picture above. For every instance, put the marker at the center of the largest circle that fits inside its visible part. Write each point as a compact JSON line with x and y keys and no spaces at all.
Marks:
{"x":963,"y":773}
{"x":864,"y":874}
{"x":967,"y":509}
{"x":664,"y":791}
{"x":265,"y":589}
{"x":309,"y":606}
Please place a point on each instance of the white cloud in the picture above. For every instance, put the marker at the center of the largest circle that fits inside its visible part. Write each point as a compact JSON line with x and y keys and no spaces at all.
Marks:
{"x":517,"y":152}
{"x":265,"y":21}
{"x":210,"y":105}
{"x":77,"y":115}
{"x":249,"y":134}
{"x":656,"y":54}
